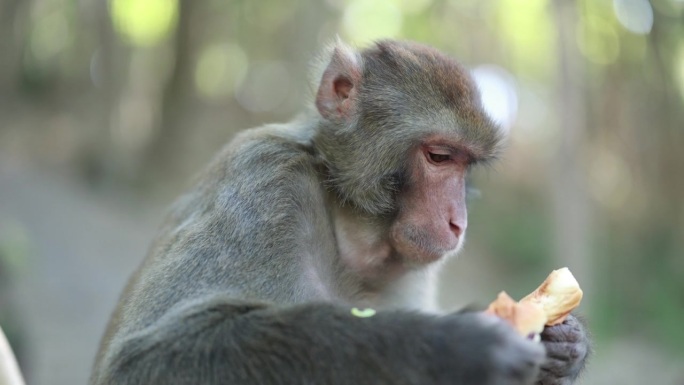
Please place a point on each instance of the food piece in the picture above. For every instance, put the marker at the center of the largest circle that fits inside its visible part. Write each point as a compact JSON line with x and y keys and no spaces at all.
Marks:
{"x":9,"y":369}
{"x":558,"y":295}
{"x":548,"y":305}
{"x":526,"y":317}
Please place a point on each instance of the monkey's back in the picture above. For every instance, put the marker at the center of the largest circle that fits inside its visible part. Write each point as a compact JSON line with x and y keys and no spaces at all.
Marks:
{"x":233,"y":232}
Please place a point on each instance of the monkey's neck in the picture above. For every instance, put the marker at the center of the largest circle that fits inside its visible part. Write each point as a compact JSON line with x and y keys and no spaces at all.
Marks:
{"x":381,"y":278}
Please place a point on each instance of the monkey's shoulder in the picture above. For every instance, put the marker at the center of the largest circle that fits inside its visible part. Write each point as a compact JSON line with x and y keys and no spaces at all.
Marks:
{"x":264,"y":152}
{"x":262,"y":172}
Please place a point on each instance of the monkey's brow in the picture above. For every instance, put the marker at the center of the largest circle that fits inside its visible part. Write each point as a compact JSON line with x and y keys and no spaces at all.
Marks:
{"x":485,"y":160}
{"x":473,"y":157}
{"x":479,"y":156}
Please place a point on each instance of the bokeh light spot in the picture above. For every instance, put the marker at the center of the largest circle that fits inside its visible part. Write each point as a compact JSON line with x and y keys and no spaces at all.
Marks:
{"x":498,"y":92}
{"x":528,"y":32}
{"x":220,"y":70}
{"x":635,"y":15}
{"x":144,"y":23}
{"x":367,"y":20}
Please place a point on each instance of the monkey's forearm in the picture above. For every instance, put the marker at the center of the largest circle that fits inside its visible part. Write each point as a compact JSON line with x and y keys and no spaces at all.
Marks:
{"x":220,"y":341}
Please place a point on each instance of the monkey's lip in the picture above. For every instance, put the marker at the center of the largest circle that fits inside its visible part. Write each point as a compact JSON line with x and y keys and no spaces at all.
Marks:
{"x":444,"y":252}
{"x":453,"y":244}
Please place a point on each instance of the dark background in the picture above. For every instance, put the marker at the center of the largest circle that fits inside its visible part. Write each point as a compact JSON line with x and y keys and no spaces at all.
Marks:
{"x":107,"y":109}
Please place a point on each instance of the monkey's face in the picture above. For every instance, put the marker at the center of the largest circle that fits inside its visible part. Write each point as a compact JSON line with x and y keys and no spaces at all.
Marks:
{"x":432,"y":217}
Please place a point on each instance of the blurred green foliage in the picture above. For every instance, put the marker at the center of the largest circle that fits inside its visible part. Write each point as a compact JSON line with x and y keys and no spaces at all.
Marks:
{"x":130,"y":93}
{"x":144,"y":23}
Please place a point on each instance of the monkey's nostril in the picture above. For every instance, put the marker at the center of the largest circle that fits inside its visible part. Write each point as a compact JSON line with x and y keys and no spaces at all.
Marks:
{"x":456,"y":229}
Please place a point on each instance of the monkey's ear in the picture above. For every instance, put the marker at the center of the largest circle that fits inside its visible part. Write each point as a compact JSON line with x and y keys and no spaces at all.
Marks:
{"x":337,"y":95}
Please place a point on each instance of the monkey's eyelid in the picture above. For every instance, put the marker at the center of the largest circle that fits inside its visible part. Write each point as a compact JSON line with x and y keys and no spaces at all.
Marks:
{"x":437,"y":157}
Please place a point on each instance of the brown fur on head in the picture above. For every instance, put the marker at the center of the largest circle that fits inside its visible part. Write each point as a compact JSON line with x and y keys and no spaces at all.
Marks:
{"x":378,"y":103}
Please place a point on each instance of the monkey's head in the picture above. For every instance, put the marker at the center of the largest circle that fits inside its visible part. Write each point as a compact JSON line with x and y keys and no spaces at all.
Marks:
{"x":401,"y":124}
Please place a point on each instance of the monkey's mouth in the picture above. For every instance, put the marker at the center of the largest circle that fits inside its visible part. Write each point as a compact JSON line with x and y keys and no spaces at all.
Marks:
{"x":424,"y":244}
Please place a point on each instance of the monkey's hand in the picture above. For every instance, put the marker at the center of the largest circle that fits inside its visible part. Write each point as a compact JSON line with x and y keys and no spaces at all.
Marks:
{"x":512,"y":358}
{"x":567,"y":347}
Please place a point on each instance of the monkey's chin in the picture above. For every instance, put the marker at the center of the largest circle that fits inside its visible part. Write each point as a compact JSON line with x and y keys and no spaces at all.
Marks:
{"x":454,"y":252}
{"x":445,"y":253}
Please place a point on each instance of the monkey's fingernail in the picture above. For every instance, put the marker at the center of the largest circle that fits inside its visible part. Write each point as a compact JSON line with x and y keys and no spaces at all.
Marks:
{"x":362,"y":313}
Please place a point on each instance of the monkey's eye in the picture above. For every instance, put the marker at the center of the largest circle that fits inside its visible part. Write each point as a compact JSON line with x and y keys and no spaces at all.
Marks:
{"x":438,"y":158}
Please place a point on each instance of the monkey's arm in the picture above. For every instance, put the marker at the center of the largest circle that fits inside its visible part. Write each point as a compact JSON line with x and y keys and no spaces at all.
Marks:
{"x":223,"y":341}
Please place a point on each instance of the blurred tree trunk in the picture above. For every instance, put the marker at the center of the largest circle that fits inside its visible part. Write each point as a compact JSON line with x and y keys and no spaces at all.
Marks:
{"x":571,"y":211}
{"x":665,"y":107}
{"x":163,"y":156}
{"x":11,"y":20}
{"x":99,"y":162}
{"x":167,"y":157}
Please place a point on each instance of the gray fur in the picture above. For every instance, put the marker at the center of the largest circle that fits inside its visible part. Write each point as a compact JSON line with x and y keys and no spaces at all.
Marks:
{"x":246,"y":283}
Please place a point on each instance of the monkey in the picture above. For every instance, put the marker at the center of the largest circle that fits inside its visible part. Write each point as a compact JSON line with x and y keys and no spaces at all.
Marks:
{"x":262,"y":271}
